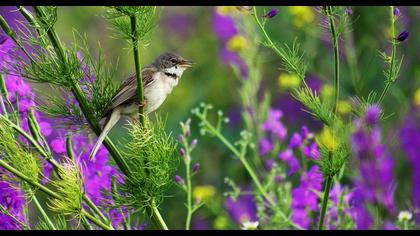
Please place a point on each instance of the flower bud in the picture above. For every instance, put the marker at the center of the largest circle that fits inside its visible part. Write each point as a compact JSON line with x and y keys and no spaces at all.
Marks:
{"x":372,"y":115}
{"x":272,"y":13}
{"x":179,"y":179}
{"x":397,"y":12}
{"x":195,"y":168}
{"x":182,"y":152}
{"x":193,"y":143}
{"x":403,"y":36}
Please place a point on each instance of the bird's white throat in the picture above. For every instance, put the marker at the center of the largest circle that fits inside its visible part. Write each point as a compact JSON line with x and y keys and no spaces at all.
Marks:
{"x":176,"y":70}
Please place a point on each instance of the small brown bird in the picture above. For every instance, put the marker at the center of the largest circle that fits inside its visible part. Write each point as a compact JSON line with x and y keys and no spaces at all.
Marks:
{"x":159,"y":78}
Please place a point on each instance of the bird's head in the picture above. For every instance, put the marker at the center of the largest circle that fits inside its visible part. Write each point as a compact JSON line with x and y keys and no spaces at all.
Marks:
{"x":172,"y":63}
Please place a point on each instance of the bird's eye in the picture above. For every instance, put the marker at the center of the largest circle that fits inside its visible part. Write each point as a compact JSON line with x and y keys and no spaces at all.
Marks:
{"x":173,"y":60}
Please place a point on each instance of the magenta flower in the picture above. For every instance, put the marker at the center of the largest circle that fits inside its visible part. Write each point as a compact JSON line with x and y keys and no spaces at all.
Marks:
{"x":273,"y":124}
{"x":264,"y":146}
{"x":305,"y":198}
{"x":287,"y":156}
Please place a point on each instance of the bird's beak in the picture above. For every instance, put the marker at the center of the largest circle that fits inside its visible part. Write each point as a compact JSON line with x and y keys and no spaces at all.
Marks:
{"x":186,"y":64}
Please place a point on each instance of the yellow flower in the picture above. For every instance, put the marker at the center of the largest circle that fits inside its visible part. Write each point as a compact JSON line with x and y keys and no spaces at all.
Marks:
{"x":327,"y":91}
{"x":288,"y":81}
{"x":326,"y":138}
{"x":417,"y":98}
{"x":343,"y":107}
{"x":204,"y":192}
{"x":221,"y":222}
{"x":301,"y":15}
{"x":236,"y":43}
{"x":225,"y":10}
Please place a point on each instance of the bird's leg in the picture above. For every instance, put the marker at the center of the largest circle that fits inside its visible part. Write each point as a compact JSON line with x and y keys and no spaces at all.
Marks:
{"x":143,"y":103}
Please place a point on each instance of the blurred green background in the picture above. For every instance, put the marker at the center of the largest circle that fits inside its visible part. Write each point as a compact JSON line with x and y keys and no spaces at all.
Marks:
{"x":189,"y":32}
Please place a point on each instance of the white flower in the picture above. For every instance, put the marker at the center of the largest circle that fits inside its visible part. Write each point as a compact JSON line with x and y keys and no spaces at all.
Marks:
{"x":250,"y":225}
{"x":405,"y":216}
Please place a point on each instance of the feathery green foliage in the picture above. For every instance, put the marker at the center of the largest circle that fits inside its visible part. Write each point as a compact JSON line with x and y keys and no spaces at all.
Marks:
{"x":152,"y":156}
{"x":145,"y":23}
{"x":69,"y":189}
{"x":14,"y":153}
{"x":318,"y":108}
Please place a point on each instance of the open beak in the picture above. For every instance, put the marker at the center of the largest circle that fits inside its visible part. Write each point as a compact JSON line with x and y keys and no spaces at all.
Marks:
{"x":186,"y":64}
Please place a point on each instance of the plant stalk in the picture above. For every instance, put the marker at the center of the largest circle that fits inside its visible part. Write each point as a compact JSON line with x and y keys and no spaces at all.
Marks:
{"x":136,"y":53}
{"x":336,"y":96}
{"x":325,"y":201}
{"x":38,"y":205}
{"x":81,"y":99}
{"x":393,"y":54}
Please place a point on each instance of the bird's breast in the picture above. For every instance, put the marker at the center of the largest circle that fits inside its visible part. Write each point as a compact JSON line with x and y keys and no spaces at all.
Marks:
{"x":158,"y":90}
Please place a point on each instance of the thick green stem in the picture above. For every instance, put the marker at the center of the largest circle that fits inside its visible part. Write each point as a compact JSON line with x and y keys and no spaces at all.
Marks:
{"x":139,"y":78}
{"x":336,"y":59}
{"x":325,"y":201}
{"x":96,"y":221}
{"x":334,"y":108}
{"x":393,"y":54}
{"x":156,"y":217}
{"x":47,"y":219}
{"x":81,"y":99}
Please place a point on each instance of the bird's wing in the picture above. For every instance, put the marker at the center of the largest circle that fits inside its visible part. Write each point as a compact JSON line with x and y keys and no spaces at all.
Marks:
{"x":128,"y":89}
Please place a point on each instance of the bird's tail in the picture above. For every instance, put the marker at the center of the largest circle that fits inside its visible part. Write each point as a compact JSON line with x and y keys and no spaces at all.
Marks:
{"x":109,"y":123}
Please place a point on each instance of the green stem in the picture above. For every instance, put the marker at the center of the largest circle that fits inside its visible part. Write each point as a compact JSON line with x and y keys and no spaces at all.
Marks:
{"x":393,"y":54}
{"x":28,"y":180}
{"x":55,"y":165}
{"x":248,"y":169}
{"x":83,"y":103}
{"x":189,"y":195}
{"x":47,"y":219}
{"x":156,"y":217}
{"x":96,"y":209}
{"x":336,"y":92}
{"x":336,"y":59}
{"x":325,"y":201}
{"x":139,"y":78}
{"x":96,"y":221}
{"x":274,"y":47}
{"x":85,"y":223}
{"x":48,"y":191}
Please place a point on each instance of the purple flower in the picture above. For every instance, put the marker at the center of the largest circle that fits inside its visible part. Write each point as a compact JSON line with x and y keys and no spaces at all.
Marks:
{"x":349,"y":11}
{"x":287,"y":156}
{"x":372,"y":115}
{"x":410,"y":144}
{"x":305,"y":198}
{"x":295,"y":141}
{"x":311,"y":151}
{"x":397,"y":12}
{"x":264,"y":146}
{"x":273,"y":124}
{"x":13,"y":200}
{"x":242,"y":209}
{"x":195,"y":168}
{"x":268,"y":164}
{"x":179,"y":179}
{"x":403,"y":36}
{"x":272,"y":13}
{"x":374,"y":184}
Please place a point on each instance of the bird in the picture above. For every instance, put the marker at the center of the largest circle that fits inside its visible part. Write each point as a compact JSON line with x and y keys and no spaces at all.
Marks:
{"x":159,"y":79}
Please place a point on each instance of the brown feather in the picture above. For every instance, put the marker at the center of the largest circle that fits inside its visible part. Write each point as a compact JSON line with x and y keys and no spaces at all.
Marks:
{"x":127,"y":92}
